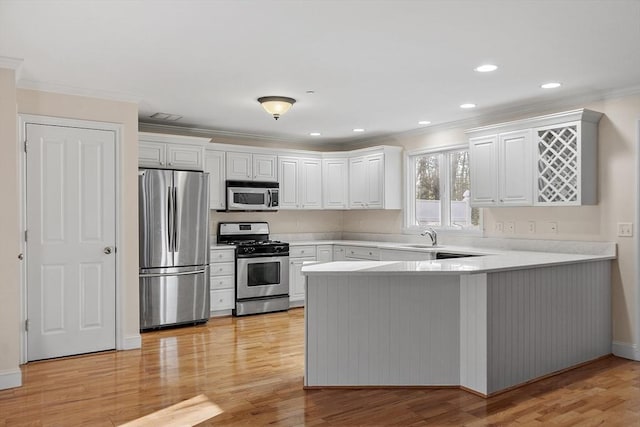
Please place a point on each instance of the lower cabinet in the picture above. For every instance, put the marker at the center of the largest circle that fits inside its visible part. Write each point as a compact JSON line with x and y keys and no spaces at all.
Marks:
{"x":222,"y":281}
{"x":361,"y":252}
{"x":298,"y":255}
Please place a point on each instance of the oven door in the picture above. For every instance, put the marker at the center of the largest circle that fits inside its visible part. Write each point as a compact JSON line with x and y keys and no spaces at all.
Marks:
{"x":262,"y":277}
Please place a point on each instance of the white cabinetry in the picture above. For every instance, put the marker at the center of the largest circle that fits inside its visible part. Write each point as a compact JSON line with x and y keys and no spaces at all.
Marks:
{"x":374,"y":178}
{"x":171,"y":151}
{"x":214,"y":164}
{"x":222,"y":280}
{"x":339,"y":253}
{"x":243,"y":166}
{"x":543,"y":161}
{"x":335,"y":183}
{"x":362,"y":252}
{"x":300,"y":182}
{"x":501,"y":169}
{"x":324,"y":253}
{"x":297,"y":256}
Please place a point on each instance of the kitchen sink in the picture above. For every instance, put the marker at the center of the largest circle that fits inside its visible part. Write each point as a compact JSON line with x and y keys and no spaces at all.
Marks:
{"x":447,"y":255}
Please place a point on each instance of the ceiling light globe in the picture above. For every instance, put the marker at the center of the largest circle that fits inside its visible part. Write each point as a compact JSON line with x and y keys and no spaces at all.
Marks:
{"x":276,"y":105}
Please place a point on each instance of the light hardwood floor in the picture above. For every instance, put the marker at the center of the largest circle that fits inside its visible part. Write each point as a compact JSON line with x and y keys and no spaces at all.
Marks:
{"x":252,"y":368}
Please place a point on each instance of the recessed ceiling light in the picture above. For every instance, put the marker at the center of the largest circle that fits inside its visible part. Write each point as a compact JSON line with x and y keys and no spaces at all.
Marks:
{"x":314,"y":133}
{"x":550,"y":85}
{"x":310,"y":92}
{"x":468,"y":106}
{"x":358,"y":130}
{"x":424,"y":122}
{"x":486,"y":68}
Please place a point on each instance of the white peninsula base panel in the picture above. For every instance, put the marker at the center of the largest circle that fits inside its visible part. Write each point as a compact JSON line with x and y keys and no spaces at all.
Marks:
{"x":484,"y":332}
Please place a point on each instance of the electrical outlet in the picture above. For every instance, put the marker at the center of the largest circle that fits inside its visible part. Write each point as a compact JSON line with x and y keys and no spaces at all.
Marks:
{"x":531,"y":227}
{"x":625,"y":229}
{"x":510,"y":227}
{"x":499,"y":227}
{"x":553,"y":227}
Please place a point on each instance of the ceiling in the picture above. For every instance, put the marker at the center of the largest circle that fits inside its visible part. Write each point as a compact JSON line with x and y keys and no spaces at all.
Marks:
{"x":377,"y":65}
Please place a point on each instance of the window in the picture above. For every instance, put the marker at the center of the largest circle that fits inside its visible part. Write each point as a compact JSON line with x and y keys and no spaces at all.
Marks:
{"x":438,"y":190}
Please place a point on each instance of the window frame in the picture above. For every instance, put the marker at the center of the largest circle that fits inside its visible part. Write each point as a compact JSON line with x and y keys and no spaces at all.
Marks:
{"x":444,"y":165}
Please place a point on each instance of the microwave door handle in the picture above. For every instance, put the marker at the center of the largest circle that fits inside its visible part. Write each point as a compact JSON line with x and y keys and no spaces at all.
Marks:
{"x":268,"y":198}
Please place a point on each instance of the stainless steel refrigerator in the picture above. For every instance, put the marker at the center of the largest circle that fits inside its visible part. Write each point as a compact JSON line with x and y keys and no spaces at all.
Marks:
{"x":174,"y":247}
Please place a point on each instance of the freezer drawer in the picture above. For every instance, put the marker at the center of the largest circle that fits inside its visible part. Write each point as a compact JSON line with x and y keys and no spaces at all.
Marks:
{"x":174,"y":298}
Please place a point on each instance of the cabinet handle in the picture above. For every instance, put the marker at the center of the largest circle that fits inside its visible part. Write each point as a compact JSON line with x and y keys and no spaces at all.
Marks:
{"x":370,"y":253}
{"x":160,"y":163}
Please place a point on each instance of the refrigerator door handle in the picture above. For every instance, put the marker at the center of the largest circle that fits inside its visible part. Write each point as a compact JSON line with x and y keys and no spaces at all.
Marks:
{"x":185,"y":273}
{"x":170,"y":218}
{"x":176,"y":221}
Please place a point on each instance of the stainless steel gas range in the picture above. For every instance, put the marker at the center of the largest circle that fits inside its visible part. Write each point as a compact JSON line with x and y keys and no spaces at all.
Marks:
{"x":262,"y":267}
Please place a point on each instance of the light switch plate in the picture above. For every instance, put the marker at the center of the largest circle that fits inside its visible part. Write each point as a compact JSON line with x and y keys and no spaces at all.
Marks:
{"x":625,"y":229}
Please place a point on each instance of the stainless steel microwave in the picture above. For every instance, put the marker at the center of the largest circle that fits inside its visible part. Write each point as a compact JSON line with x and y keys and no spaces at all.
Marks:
{"x":252,"y":196}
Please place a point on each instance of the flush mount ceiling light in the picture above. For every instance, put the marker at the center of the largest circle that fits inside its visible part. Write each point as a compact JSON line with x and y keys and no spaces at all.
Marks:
{"x":315,"y":133}
{"x":424,"y":122}
{"x":469,"y":105}
{"x":358,"y":130}
{"x":486,"y":68}
{"x":276,"y":105}
{"x":550,"y":85}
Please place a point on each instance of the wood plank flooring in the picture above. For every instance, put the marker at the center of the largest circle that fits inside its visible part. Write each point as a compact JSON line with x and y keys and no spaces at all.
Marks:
{"x":252,"y":369}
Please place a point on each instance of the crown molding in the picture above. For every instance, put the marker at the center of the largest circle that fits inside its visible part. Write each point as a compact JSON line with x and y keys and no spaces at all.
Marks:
{"x":79,"y":91}
{"x":14,"y":64}
{"x":505,"y":114}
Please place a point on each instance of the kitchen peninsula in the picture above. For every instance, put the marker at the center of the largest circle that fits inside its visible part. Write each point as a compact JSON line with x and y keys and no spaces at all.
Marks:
{"x":483,"y":323}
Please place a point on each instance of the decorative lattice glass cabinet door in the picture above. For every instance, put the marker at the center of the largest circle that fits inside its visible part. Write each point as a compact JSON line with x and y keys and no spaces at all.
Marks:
{"x":558,"y":165}
{"x":565,"y":164}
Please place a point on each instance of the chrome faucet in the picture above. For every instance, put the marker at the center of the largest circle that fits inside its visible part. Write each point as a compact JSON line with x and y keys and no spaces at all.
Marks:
{"x":432,"y":235}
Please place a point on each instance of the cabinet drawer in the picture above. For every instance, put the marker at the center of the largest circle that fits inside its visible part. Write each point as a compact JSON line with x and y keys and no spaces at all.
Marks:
{"x":222,"y":299}
{"x":222,"y":269}
{"x":302,"y":251}
{"x":221,"y":255}
{"x":222,"y":282}
{"x":356,"y":252}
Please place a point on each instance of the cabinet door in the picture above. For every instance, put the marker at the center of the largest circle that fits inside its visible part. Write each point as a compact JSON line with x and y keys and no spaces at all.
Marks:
{"x":357,"y":182}
{"x":515,"y":183}
{"x":288,"y":197}
{"x":335,"y":183}
{"x":239,"y":166}
{"x":310,"y":184}
{"x":339,"y":253}
{"x":151,"y":154}
{"x":375,"y":181}
{"x":296,"y":279}
{"x":185,"y":157}
{"x":214,"y":165}
{"x":324,"y":253}
{"x":265,"y":167}
{"x":482,"y":156}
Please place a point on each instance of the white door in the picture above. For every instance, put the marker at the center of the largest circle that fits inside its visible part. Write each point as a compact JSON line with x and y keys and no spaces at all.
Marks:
{"x":71,"y":236}
{"x":264,"y":167}
{"x":288,"y":197}
{"x":311,"y":183}
{"x":483,"y":158}
{"x":515,"y":177}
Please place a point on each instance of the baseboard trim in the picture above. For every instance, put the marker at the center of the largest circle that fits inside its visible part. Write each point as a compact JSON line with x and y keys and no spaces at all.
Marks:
{"x":10,"y":378}
{"x":131,"y":342}
{"x":625,"y":350}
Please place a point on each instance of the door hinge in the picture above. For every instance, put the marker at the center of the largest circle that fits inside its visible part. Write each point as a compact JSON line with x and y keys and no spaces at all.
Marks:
{"x":26,"y":325}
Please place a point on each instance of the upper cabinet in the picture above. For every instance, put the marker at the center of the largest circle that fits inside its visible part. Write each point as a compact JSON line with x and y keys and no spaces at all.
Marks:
{"x":171,"y":151}
{"x":242,"y":166}
{"x":335,"y":183}
{"x":505,"y":162}
{"x":214,"y":164}
{"x":543,"y":161}
{"x":300,"y":182}
{"x":374,"y":178}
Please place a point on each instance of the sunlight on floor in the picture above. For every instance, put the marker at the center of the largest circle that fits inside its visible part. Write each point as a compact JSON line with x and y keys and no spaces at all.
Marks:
{"x":186,"y":413}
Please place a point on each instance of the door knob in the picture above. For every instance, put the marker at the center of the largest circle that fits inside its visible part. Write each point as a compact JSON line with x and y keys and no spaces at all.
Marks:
{"x":107,"y":250}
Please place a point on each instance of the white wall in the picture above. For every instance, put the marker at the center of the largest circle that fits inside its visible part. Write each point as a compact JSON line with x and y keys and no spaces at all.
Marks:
{"x":10,"y":232}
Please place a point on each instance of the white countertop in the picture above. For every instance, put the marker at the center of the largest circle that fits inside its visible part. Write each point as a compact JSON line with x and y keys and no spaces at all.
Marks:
{"x":492,"y":260}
